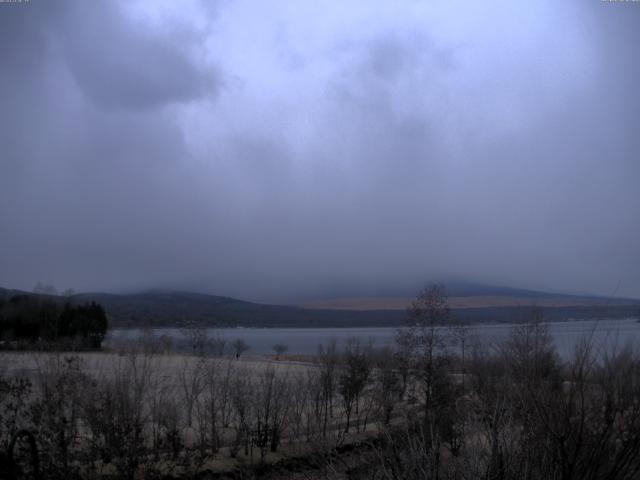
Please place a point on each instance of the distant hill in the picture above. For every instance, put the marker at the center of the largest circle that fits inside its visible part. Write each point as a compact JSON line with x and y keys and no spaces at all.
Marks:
{"x":180,"y":308}
{"x":487,"y":304}
{"x":466,"y":302}
{"x":465,"y":295}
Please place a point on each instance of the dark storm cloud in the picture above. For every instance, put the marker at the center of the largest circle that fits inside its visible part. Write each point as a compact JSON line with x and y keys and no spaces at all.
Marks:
{"x":114,"y":60}
{"x":119,"y":64}
{"x":366,"y":151}
{"x":84,"y":184}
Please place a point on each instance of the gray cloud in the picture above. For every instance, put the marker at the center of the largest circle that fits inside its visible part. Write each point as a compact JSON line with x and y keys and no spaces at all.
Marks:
{"x":251,"y":151}
{"x":118,"y":63}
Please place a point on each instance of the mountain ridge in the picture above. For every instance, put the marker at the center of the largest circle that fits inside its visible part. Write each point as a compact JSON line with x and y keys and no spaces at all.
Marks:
{"x":175,"y":308}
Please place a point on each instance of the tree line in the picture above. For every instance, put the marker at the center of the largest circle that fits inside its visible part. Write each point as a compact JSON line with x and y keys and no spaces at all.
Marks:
{"x":28,"y":320}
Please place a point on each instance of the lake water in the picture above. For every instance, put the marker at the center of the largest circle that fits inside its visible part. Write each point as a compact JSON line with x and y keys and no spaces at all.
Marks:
{"x":566,"y":335}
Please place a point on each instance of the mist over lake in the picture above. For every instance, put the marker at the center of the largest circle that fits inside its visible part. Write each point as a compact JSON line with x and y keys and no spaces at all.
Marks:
{"x":566,"y":335}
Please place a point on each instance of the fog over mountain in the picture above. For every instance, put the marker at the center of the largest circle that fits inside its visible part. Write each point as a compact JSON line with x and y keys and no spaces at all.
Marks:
{"x":280,"y":150}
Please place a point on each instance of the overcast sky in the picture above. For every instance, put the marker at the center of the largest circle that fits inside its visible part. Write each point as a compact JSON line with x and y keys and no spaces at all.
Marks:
{"x":280,"y":149}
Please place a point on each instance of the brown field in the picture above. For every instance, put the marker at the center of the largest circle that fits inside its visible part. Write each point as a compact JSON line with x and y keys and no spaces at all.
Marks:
{"x":397,"y":303}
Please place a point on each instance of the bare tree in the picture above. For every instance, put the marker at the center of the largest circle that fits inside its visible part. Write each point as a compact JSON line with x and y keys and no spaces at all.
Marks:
{"x":15,"y":394}
{"x":149,"y":342}
{"x":301,"y":407}
{"x":196,"y":337}
{"x":272,"y":405}
{"x":218,"y":345}
{"x":314,"y":396}
{"x":56,"y":413}
{"x":388,"y":384}
{"x":215,"y":404}
{"x":191,"y":380}
{"x":164,"y":414}
{"x":116,"y":412}
{"x":241,"y":399}
{"x":239,"y":347}
{"x":425,"y":340}
{"x":279,"y":349}
{"x":327,"y":359}
{"x":461,"y":335}
{"x":165,"y":343}
{"x":353,"y":376}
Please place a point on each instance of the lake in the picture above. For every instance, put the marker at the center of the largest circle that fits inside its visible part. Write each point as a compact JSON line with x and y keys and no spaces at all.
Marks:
{"x":566,"y":335}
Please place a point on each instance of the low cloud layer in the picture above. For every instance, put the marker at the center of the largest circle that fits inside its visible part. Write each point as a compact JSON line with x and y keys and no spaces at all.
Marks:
{"x":295,"y":149}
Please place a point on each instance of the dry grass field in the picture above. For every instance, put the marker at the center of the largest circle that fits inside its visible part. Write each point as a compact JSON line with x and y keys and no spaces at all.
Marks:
{"x":172,"y":366}
{"x":480,"y":301}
